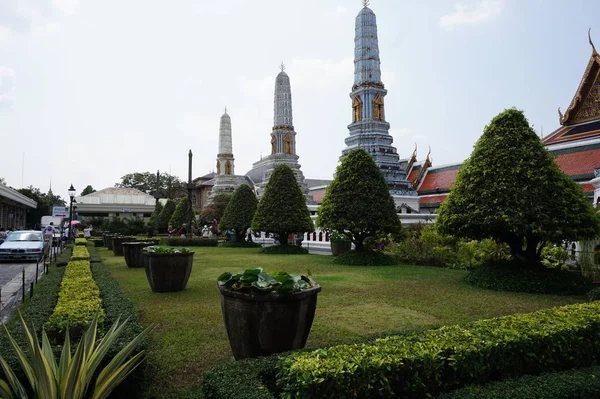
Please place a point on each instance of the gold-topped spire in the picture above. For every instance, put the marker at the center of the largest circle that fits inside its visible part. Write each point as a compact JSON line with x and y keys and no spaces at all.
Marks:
{"x":282,"y":66}
{"x":226,"y":109}
{"x":365,"y":3}
{"x":594,"y":52}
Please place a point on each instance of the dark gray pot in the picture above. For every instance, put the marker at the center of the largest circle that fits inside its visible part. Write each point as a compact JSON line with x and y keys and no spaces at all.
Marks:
{"x":132,"y":251}
{"x":168,"y":272}
{"x":260,"y":325}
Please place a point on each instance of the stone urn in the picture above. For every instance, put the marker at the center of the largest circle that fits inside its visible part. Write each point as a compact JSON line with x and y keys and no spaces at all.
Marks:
{"x":340,"y":247}
{"x":117,"y":244}
{"x":263,"y":324}
{"x":132,"y":251}
{"x":108,"y":241}
{"x":168,"y":272}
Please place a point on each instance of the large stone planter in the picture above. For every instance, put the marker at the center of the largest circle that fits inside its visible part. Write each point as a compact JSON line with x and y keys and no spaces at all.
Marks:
{"x":117,"y":244}
{"x":167,"y":272}
{"x":132,"y":251}
{"x":108,"y":241}
{"x":340,"y":247}
{"x":260,"y":325}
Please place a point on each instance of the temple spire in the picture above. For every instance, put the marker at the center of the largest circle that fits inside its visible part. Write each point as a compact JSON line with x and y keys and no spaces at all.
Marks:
{"x":366,"y":48}
{"x":225,"y":146}
{"x":225,"y":180}
{"x":283,"y":100}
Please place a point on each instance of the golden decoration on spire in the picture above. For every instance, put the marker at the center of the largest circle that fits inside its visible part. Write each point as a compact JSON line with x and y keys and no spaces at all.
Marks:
{"x":282,"y":66}
{"x":594,"y":52}
{"x":365,"y":3}
{"x":225,"y":109}
{"x":560,"y":115}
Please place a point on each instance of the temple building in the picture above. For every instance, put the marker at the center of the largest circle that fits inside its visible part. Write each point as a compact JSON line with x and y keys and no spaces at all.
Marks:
{"x":369,"y":129}
{"x":225,"y":180}
{"x":283,"y":139}
{"x":575,"y":144}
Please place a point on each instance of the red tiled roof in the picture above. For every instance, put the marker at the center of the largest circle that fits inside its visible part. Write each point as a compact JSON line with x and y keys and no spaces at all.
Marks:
{"x":579,"y":163}
{"x":442,"y":180}
{"x":317,"y":195}
{"x":412,"y":175}
{"x":588,"y":188}
{"x":434,"y":199}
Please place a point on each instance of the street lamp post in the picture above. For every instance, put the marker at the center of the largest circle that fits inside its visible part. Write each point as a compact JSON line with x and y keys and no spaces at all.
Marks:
{"x":72,"y":197}
{"x":156,"y":197}
{"x":190,"y":187}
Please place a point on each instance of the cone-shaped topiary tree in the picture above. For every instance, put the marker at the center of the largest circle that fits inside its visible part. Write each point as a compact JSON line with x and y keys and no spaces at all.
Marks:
{"x":240,"y":211}
{"x":282,"y":209}
{"x":165,"y":215}
{"x":511,"y":190}
{"x":159,"y":208}
{"x":181,"y":213}
{"x":358,"y":203}
{"x":216,"y":208}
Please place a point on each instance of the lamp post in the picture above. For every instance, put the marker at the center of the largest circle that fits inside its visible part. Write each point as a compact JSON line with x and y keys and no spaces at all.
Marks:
{"x":72,"y":197}
{"x":156,"y":197}
{"x":190,"y":187}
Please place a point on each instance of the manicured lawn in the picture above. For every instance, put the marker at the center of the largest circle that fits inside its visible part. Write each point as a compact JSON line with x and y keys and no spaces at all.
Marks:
{"x":355,"y":303}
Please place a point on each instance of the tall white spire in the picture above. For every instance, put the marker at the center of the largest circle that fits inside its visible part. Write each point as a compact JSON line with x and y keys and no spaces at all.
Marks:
{"x":225,"y":146}
{"x":283,"y":100}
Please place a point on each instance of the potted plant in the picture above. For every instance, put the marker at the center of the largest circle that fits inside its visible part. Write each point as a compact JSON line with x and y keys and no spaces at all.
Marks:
{"x":340,"y":244}
{"x":267,"y":313}
{"x":168,"y":269}
{"x":132,"y":251}
{"x":117,"y":244}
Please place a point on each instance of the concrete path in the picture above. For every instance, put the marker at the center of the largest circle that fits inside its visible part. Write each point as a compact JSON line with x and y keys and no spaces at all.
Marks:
{"x":11,"y":285}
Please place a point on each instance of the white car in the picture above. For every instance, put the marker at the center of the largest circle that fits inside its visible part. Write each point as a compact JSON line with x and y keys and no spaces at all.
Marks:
{"x":23,"y":245}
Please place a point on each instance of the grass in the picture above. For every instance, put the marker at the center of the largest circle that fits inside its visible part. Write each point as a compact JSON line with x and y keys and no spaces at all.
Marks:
{"x":356,"y":303}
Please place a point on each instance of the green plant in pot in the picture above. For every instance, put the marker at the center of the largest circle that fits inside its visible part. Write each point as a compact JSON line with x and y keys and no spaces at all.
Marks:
{"x":266,"y":313}
{"x":340,"y":243}
{"x":168,"y":269}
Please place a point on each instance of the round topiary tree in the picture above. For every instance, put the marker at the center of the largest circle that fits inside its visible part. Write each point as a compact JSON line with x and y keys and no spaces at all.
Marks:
{"x":511,"y":190}
{"x":240,"y":211}
{"x":165,"y":215}
{"x":358,"y":203}
{"x":181,"y":213}
{"x":282,"y":209}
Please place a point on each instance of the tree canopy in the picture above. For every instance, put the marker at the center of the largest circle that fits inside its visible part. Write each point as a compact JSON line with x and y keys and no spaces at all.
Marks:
{"x":156,"y":211}
{"x":215,"y":209}
{"x":180,"y":216}
{"x":358,"y":203}
{"x":165,"y":215}
{"x":511,"y":190}
{"x":168,"y":186}
{"x":240,"y":211}
{"x":45,"y":202}
{"x":87,"y":190}
{"x":282,"y":209}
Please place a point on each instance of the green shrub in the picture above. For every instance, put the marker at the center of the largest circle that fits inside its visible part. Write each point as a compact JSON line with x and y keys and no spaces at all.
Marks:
{"x":240,"y":244}
{"x":427,"y":363}
{"x":594,"y":294}
{"x":284,"y":250}
{"x":78,"y":302}
{"x":248,"y":379}
{"x":513,"y":276}
{"x":63,"y":258}
{"x":189,"y":242}
{"x":36,"y":311}
{"x":571,"y":384}
{"x":80,"y":253}
{"x":364,"y":258}
{"x":80,"y":241}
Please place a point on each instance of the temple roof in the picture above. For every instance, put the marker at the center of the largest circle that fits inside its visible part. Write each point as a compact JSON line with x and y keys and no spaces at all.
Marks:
{"x":585,"y":105}
{"x":439,"y":179}
{"x":578,"y":162}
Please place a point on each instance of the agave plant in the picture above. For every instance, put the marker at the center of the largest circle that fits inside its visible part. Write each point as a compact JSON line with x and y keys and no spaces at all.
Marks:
{"x":72,"y":376}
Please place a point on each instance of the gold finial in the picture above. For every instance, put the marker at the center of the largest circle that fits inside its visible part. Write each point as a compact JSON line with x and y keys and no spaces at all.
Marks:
{"x":560,"y":115}
{"x":365,"y":3}
{"x":282,"y":66}
{"x":415,"y":151}
{"x":226,"y":109}
{"x":591,"y":43}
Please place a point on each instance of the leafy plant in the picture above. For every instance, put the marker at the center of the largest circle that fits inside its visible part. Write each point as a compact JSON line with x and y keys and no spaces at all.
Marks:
{"x":72,"y":376}
{"x":594,"y":294}
{"x":165,"y":215}
{"x":156,"y":249}
{"x":257,"y":281}
{"x":239,"y":212}
{"x":181,"y":213}
{"x":364,"y":258}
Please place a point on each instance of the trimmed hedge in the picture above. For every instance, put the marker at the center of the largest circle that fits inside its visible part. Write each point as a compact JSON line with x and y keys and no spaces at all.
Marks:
{"x":80,"y":253}
{"x":240,"y":244}
{"x":571,"y":384}
{"x":63,"y":258}
{"x":36,"y":311}
{"x":78,"y":302}
{"x":189,"y":242}
{"x":116,"y":304}
{"x":364,"y":258}
{"x":512,"y":276}
{"x":440,"y":360}
{"x":284,"y":250}
{"x":80,"y":241}
{"x":594,"y":294}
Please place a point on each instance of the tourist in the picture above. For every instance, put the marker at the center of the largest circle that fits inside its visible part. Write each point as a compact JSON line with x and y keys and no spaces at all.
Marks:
{"x":181,"y":232}
{"x":170,"y":231}
{"x":49,"y":231}
{"x":249,"y":234}
{"x":87,"y":232}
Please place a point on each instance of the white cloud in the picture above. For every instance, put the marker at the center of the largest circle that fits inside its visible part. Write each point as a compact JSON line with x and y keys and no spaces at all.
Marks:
{"x":40,"y":17}
{"x":7,"y":84}
{"x":472,"y":12}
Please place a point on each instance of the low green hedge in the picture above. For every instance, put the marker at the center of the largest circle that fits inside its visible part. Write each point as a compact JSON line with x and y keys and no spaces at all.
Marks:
{"x":440,"y":360}
{"x":284,"y":250}
{"x":188,"y":242}
{"x":571,"y":384}
{"x":36,"y":311}
{"x":63,"y":258}
{"x":78,"y":302}
{"x":80,"y":241}
{"x":80,"y":253}
{"x":115,"y":304}
{"x":512,"y":276}
{"x":240,"y":244}
{"x":364,"y":258}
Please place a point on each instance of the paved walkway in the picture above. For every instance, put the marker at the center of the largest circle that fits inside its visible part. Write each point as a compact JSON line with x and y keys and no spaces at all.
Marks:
{"x":11,"y":284}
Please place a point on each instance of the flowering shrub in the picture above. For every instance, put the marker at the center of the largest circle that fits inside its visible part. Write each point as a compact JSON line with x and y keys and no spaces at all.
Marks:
{"x":155,"y":249}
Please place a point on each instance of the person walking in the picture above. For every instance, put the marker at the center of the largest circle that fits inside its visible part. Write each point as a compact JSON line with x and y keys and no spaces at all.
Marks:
{"x":181,"y":232}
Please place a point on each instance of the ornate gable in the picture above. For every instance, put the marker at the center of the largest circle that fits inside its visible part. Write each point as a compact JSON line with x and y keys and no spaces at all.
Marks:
{"x":585,"y":106}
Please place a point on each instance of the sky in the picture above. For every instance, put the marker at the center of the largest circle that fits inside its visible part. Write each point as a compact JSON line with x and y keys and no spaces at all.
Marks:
{"x":93,"y":90}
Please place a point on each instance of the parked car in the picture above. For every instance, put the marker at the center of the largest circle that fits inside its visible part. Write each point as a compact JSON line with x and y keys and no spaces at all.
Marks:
{"x":23,"y":245}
